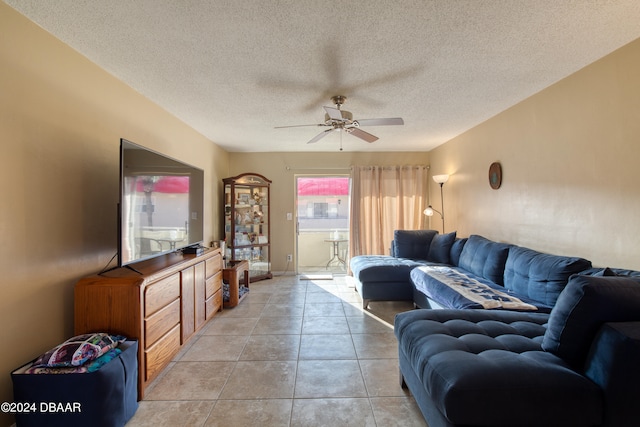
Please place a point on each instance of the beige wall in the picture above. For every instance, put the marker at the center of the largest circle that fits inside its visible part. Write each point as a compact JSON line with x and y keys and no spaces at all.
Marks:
{"x":570,"y":156}
{"x":61,"y":118}
{"x":281,"y":169}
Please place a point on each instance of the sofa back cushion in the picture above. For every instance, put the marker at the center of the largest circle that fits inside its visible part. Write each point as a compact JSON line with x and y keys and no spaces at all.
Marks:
{"x":586,"y":303}
{"x":540,"y":276}
{"x":412,"y":244}
{"x":456,"y":250}
{"x":610,"y":271}
{"x":484,"y":258}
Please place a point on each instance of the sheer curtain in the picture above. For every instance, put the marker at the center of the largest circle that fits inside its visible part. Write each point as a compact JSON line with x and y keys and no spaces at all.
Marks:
{"x":384,"y":199}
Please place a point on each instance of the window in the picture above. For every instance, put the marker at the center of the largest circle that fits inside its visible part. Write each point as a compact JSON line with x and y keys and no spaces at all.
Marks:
{"x":321,"y":210}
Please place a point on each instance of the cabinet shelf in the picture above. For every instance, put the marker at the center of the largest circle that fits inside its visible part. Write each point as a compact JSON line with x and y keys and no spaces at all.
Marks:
{"x":248,"y":206}
{"x":246,"y":223}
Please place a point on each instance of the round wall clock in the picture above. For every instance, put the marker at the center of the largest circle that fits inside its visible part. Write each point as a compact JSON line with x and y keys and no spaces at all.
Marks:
{"x":495,"y":175}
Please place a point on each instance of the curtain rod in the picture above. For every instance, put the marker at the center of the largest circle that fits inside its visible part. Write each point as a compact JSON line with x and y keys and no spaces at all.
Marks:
{"x":390,"y":167}
{"x":347,"y":168}
{"x":289,"y":168}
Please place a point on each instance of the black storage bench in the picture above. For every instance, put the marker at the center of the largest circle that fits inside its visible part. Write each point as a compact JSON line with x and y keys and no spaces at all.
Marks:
{"x":107,"y":397}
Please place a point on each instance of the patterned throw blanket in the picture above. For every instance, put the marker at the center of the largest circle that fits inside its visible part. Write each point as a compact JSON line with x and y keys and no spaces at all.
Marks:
{"x":475,"y":291}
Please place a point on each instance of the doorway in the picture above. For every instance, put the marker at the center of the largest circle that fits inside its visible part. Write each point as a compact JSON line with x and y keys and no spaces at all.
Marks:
{"x":322,"y":223}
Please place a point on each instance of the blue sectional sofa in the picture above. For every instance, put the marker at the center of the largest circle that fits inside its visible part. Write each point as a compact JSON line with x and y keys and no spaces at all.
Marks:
{"x":575,"y":366}
{"x":443,"y":271}
{"x":520,"y":337}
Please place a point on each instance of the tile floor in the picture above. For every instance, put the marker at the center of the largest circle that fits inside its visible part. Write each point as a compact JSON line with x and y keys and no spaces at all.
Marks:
{"x":293,"y":353}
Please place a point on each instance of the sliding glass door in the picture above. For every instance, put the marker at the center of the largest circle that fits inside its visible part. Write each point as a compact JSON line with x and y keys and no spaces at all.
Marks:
{"x":322,"y":217}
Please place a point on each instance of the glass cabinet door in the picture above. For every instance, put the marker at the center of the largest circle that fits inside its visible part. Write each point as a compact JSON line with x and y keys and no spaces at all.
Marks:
{"x":246,"y":222}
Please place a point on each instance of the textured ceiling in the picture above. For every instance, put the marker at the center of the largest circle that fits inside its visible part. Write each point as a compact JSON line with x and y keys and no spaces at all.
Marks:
{"x":235,"y":69}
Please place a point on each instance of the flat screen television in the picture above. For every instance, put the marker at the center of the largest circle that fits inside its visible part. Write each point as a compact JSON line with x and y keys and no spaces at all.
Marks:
{"x":160,"y":207}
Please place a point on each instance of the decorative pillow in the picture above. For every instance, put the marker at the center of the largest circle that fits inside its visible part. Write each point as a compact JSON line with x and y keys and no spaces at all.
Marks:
{"x":585,"y":304}
{"x":78,"y":350}
{"x":440,"y":248}
{"x":412,"y":244}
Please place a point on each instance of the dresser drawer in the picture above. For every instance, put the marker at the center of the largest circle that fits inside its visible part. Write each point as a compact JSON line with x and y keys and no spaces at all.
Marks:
{"x":213,"y":304}
{"x":160,"y":354}
{"x":161,"y":293}
{"x":162,"y":321}
{"x":213,"y":265}
{"x":213,"y":284}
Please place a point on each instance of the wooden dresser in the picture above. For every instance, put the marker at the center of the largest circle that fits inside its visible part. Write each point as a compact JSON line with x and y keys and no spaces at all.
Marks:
{"x":162,"y":305}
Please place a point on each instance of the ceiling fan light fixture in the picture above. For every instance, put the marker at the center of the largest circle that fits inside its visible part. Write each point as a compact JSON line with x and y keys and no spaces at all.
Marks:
{"x":338,"y":100}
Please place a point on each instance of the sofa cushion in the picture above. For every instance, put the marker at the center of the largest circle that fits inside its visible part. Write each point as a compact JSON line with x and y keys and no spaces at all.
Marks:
{"x":412,"y":244}
{"x":382,"y":268}
{"x":487,"y":368}
{"x":540,"y":276}
{"x":609,"y":271}
{"x":605,"y":272}
{"x":441,"y":247}
{"x":484,"y":258}
{"x":586,"y":303}
{"x":453,"y":287}
{"x":613,"y":365}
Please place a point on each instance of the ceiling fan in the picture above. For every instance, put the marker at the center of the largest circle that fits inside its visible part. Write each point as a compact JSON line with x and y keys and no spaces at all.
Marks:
{"x":342,"y":120}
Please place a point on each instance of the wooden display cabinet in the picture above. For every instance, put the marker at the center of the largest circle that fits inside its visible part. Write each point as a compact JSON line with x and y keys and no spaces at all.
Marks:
{"x":246,"y":225}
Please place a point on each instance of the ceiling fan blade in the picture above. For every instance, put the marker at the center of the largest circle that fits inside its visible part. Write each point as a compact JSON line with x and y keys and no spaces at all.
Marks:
{"x":298,"y":126}
{"x":362,"y":134}
{"x":380,"y":122}
{"x":319,"y":136}
{"x":333,"y":113}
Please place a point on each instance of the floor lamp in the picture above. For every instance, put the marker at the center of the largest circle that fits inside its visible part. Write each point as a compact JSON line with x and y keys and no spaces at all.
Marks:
{"x":439,"y":179}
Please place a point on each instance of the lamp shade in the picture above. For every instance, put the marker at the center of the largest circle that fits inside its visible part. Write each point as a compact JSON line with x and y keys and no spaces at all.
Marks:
{"x":441,"y":179}
{"x":428,"y":211}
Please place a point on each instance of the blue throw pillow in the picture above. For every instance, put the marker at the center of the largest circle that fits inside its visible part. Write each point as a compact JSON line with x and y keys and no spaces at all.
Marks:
{"x":586,"y":303}
{"x":441,"y":247}
{"x":412,"y":244}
